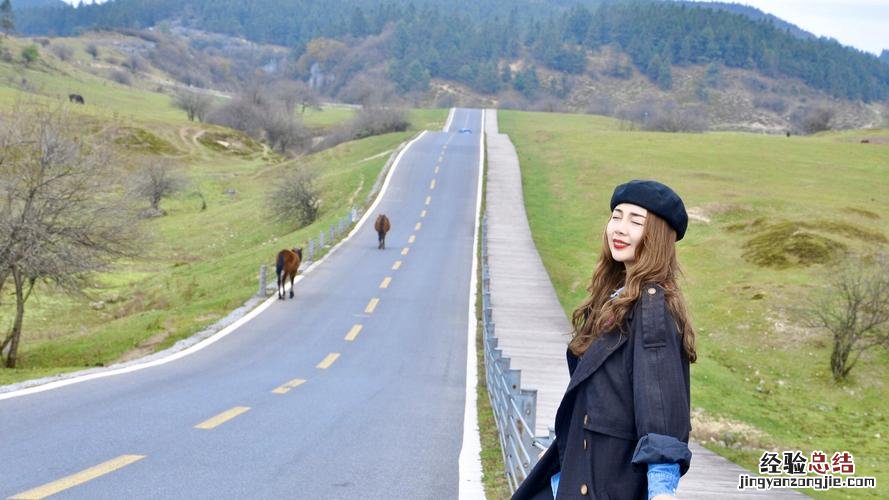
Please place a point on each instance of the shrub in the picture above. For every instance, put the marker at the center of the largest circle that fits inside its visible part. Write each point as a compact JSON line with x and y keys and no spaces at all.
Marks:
{"x":93,"y":50}
{"x":771,"y":103}
{"x":63,"y":52}
{"x":121,"y":77}
{"x":376,"y":121}
{"x":816,"y":120}
{"x":30,"y":54}
{"x":295,"y":199}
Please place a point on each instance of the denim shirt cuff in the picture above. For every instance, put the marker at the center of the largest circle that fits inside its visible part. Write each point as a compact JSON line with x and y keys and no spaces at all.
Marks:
{"x":662,"y":479}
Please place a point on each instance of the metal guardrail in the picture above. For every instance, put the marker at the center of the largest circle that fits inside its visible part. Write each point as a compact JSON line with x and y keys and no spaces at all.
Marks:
{"x":515,"y":409}
{"x":327,"y":239}
{"x":316,"y":246}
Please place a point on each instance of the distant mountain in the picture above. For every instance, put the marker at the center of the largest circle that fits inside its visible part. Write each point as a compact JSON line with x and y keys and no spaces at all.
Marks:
{"x":493,"y":46}
{"x":18,"y":5}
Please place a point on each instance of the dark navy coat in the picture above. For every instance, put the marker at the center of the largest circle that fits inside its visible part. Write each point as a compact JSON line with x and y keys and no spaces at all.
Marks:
{"x":626,"y":406}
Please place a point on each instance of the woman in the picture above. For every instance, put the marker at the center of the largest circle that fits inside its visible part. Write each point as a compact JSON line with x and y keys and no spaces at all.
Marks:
{"x":622,"y":426}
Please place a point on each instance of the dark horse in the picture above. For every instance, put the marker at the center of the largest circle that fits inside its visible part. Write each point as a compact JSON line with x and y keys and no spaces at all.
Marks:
{"x":75,"y":98}
{"x":382,"y":227}
{"x":286,"y":267}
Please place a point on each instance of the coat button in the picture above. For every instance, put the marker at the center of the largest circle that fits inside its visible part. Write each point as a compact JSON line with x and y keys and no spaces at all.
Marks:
{"x":586,"y":419}
{"x":652,"y":291}
{"x":583,"y":489}
{"x":584,"y":444}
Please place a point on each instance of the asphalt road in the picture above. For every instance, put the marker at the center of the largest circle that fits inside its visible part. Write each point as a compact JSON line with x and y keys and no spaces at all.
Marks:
{"x":373,"y":348}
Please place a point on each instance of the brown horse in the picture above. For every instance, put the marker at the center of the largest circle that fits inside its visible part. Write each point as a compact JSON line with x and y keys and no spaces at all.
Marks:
{"x":286,"y":267}
{"x":382,"y":227}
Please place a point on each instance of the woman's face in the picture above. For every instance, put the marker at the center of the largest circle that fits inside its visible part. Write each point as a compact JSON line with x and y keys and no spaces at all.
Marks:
{"x":624,"y":231}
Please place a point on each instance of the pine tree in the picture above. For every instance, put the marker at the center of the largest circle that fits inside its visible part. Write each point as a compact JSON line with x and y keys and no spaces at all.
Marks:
{"x":7,"y":20}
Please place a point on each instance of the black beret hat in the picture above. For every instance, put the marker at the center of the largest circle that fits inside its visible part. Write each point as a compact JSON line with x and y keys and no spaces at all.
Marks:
{"x":654,"y":197}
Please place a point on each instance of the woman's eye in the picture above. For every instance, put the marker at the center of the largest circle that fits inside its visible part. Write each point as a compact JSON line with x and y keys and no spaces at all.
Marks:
{"x":614,"y":217}
{"x":637,"y":223}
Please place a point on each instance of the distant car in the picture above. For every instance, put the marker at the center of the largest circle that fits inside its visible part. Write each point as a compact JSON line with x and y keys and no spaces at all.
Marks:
{"x":465,"y":130}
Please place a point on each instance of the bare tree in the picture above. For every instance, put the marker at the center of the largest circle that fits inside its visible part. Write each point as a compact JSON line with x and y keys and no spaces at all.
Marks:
{"x":195,"y":105}
{"x":291,"y":93}
{"x":155,"y":180}
{"x":284,"y":132}
{"x":855,"y":310}
{"x":239,"y":114}
{"x":62,"y":214}
{"x":368,"y":89}
{"x":295,"y":199}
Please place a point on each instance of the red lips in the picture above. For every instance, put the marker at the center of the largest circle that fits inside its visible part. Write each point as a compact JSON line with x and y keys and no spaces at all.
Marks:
{"x":619,"y":244}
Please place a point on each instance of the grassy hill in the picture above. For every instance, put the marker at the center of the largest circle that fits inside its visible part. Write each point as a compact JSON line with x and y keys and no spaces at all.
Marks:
{"x":199,"y":264}
{"x":763,"y":380}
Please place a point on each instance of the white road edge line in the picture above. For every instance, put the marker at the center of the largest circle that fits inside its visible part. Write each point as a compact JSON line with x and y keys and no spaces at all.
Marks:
{"x":230,"y":328}
{"x":470,"y":464}
{"x":449,"y":120}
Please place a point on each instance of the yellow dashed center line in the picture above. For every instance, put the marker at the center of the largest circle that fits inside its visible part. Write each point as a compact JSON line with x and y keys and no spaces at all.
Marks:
{"x":371,"y":305}
{"x":436,"y":169}
{"x":356,"y":329}
{"x":396,"y":265}
{"x":405,"y":250}
{"x":326,"y":362}
{"x":417,"y":226}
{"x":440,"y":158}
{"x":222,"y":417}
{"x":385,"y":282}
{"x":284,"y":389}
{"x":78,"y":478}
{"x":428,"y":200}
{"x":423,"y":214}
{"x":432,"y":184}
{"x":412,"y":239}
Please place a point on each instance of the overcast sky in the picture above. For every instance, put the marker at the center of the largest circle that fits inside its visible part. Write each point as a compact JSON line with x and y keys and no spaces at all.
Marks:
{"x":863,"y":24}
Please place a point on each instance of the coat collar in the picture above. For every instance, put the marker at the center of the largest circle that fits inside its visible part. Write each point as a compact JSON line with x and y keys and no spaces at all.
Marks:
{"x":595,"y":355}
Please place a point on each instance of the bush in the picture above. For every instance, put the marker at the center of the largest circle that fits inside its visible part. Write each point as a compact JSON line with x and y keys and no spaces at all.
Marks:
{"x":238,"y":114}
{"x":815,"y":120}
{"x":295,"y":199}
{"x":30,"y":54}
{"x":367,"y":122}
{"x":121,"y":77}
{"x":666,"y":116}
{"x":93,"y":50}
{"x":376,"y":121}
{"x":285,"y":133}
{"x":63,"y":52}
{"x":136,"y":64}
{"x":771,"y":103}
{"x":155,"y":180}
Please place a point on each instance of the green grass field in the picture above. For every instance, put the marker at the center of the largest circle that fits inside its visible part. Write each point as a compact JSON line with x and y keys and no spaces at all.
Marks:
{"x":198,"y":264}
{"x":757,"y":365}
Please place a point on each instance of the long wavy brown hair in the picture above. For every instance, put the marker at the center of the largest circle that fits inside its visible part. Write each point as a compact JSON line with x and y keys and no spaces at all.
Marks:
{"x":655,"y":262}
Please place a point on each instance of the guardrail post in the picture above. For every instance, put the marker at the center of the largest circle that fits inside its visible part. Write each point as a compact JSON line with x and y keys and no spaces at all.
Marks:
{"x":263,"y":270}
{"x":527,"y":403}
{"x":311,"y":249}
